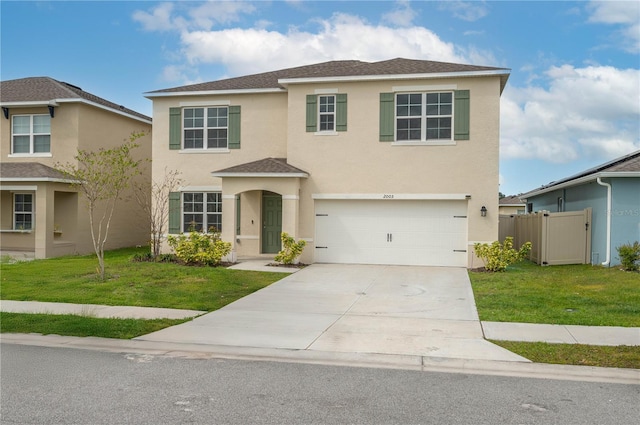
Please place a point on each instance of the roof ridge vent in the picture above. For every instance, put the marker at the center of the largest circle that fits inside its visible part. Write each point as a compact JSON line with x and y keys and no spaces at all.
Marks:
{"x":72,"y":86}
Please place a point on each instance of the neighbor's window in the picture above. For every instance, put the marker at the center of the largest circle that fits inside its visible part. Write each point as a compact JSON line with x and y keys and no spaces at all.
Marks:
{"x":31,"y":134}
{"x":201,"y":211}
{"x":424,"y":116}
{"x":22,"y":211}
{"x":327,"y":113}
{"x":205,"y":128}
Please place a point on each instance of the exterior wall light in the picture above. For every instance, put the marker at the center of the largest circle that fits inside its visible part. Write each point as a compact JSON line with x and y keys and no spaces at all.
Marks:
{"x":483,"y":211}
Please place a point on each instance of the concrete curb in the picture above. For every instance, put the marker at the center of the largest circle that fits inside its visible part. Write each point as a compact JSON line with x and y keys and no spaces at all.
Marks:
{"x":387,"y":361}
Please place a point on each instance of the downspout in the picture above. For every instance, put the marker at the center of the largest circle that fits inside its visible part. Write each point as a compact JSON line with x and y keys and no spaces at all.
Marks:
{"x":608,"y":186}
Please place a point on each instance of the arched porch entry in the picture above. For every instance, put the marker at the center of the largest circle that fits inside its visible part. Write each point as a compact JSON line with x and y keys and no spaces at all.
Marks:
{"x":260,"y":200}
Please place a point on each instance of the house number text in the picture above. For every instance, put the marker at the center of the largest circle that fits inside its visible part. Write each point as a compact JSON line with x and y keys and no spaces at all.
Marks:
{"x":387,"y":196}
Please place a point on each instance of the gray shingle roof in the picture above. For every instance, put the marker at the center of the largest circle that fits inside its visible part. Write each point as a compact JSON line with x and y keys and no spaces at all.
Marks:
{"x":510,"y":200}
{"x":29,"y":170}
{"x":346,"y":68}
{"x":263,"y":166}
{"x":46,"y":89}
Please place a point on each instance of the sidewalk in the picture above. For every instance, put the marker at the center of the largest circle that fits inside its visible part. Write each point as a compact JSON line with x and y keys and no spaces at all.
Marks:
{"x":528,"y":332}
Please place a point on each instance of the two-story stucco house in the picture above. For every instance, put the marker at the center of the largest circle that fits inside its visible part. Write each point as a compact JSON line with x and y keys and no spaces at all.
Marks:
{"x":43,"y":123}
{"x":388,"y":162}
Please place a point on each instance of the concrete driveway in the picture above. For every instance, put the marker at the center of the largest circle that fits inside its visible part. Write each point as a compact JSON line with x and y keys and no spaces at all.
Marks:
{"x":400,"y":310}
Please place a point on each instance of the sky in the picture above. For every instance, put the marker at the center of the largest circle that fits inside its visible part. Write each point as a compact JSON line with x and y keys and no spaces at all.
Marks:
{"x":572,"y":101}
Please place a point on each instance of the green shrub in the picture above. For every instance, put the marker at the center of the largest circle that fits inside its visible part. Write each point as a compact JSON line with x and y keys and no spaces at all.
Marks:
{"x":497,"y":257}
{"x":630,"y":256}
{"x":200,"y":248}
{"x":290,"y":249}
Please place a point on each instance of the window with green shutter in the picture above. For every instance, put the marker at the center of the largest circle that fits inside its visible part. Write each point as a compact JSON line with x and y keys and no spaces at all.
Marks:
{"x":326,"y":113}
{"x":424,"y":117}
{"x":216,"y":127}
{"x":174,"y":213}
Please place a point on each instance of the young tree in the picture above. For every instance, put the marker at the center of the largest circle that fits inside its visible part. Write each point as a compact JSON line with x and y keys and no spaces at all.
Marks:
{"x":102,"y":176}
{"x":153,"y":199}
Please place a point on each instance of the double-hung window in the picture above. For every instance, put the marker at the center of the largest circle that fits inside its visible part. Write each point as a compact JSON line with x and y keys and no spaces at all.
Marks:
{"x":206,"y":128}
{"x":31,"y":134}
{"x":201,"y":211}
{"x":22,"y":211}
{"x":424,"y":116}
{"x":327,"y":113}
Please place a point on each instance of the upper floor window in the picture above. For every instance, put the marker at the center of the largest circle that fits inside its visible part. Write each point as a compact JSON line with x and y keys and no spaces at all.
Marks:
{"x":22,"y":211}
{"x":424,"y":116}
{"x":31,"y":134}
{"x":430,"y":118}
{"x":327,"y":113}
{"x":205,"y":128}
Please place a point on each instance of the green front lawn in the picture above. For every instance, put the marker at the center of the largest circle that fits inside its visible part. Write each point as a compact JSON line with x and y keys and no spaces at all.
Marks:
{"x":568,"y":295}
{"x":74,"y":280}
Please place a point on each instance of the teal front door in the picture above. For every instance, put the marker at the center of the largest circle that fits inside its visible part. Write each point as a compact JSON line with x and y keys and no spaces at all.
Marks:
{"x":271,"y":222}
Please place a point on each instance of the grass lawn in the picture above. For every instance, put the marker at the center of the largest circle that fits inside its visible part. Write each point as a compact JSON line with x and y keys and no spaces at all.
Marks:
{"x":568,"y":295}
{"x":576,"y":354}
{"x":74,"y":280}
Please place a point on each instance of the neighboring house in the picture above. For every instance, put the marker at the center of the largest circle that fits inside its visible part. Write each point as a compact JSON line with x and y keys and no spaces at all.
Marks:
{"x":511,"y":205}
{"x":612,"y":190}
{"x":377,"y":163}
{"x":44,"y":122}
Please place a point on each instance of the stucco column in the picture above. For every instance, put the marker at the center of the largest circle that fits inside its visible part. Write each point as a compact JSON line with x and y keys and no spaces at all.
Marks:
{"x":228,"y":233}
{"x":44,"y":209}
{"x":290,"y":207}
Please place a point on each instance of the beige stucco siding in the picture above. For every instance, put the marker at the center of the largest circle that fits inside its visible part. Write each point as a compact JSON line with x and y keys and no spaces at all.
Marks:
{"x":356,"y":162}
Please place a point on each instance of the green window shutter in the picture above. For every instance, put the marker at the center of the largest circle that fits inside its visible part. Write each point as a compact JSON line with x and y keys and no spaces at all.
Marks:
{"x":174,"y":212}
{"x":175,"y":128}
{"x":341,"y":112}
{"x":312,"y":113}
{"x":234,"y":127}
{"x":387,"y":116}
{"x":461,"y":115}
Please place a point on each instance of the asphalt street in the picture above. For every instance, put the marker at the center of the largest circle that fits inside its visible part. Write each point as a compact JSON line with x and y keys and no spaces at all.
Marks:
{"x":42,"y":385}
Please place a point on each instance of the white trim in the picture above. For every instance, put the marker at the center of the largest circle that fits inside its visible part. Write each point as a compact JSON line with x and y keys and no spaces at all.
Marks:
{"x":429,"y":142}
{"x":326,"y":133}
{"x":229,"y":197}
{"x":205,"y":103}
{"x":248,"y":237}
{"x":20,"y":188}
{"x":16,"y":231}
{"x":430,"y":76}
{"x":581,"y":180}
{"x":607,"y":260}
{"x":205,"y":151}
{"x":200,"y":189}
{"x":432,"y":87}
{"x":38,"y":179}
{"x":276,"y":175}
{"x":30,"y":155}
{"x":213,"y":92}
{"x":290,"y":197}
{"x":106,"y":108}
{"x":395,"y":196}
{"x":325,"y":91}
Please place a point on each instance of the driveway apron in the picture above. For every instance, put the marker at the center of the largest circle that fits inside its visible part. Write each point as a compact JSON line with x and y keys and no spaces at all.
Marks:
{"x":402,"y":310}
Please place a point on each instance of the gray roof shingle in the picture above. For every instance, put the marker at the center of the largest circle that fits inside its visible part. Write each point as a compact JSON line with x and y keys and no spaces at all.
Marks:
{"x":46,"y":89}
{"x":29,"y":170}
{"x":345,"y":68}
{"x":263,"y":166}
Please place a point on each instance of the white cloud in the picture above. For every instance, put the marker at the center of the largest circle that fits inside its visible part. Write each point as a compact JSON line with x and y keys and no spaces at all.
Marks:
{"x":245,"y":51}
{"x":402,"y":16}
{"x":588,"y":112}
{"x":466,"y":10}
{"x":159,"y":19}
{"x":623,"y":13}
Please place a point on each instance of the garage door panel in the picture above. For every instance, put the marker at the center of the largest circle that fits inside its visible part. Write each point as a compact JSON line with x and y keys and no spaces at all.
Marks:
{"x":391,"y":232}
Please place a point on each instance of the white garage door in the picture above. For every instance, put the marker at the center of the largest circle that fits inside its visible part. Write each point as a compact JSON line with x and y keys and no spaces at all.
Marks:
{"x":409,"y":232}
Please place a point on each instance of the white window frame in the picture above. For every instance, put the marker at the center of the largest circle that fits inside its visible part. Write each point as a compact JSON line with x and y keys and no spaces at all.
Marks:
{"x":205,"y":129}
{"x":185,"y":226}
{"x":32,"y":135}
{"x":322,"y":113}
{"x":424,"y":117}
{"x":15,"y":212}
